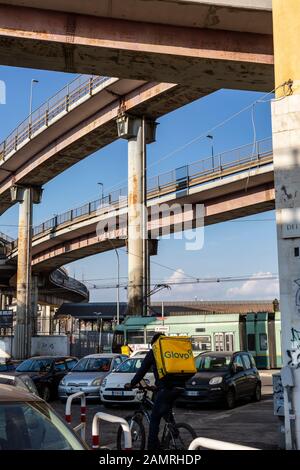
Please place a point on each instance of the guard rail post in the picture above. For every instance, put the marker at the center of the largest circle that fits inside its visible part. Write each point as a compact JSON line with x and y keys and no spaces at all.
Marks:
{"x":111,"y":419}
{"x":82,"y":426}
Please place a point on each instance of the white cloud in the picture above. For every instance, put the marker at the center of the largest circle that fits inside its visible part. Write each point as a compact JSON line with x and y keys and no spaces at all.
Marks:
{"x":255,"y":288}
{"x":188,"y":290}
{"x":252,"y":289}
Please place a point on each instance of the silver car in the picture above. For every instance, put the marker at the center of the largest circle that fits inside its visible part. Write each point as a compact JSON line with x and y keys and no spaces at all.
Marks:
{"x":88,"y":374}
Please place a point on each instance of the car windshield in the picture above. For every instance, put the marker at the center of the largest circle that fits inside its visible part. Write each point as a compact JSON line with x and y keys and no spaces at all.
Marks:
{"x":130,"y":366}
{"x":34,"y":426}
{"x":93,"y":364}
{"x":212,"y":362}
{"x":35,"y":365}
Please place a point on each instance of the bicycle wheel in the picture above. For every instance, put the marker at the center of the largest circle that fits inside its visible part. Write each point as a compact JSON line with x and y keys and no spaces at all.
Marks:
{"x":138,"y":434}
{"x":179,"y":437}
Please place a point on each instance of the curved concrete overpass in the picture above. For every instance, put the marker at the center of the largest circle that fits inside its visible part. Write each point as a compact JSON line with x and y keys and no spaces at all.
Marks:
{"x":77,"y":121}
{"x":230,"y":185}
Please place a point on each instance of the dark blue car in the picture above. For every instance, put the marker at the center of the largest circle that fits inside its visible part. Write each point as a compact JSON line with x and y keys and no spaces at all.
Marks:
{"x":223,"y":377}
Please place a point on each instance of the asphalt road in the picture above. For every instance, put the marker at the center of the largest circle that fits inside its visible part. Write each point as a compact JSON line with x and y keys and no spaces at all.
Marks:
{"x":251,"y":424}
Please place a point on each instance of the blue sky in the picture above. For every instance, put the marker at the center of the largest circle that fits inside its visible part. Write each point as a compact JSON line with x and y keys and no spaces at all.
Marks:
{"x":243,"y":247}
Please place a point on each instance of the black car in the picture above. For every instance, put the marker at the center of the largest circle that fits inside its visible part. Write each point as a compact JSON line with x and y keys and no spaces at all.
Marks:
{"x":6,"y":367}
{"x":9,"y":365}
{"x":46,"y":372}
{"x":223,"y":376}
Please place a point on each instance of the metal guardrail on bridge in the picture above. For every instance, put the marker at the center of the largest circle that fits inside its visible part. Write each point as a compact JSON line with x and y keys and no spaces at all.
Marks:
{"x":63,"y":101}
{"x":237,"y":160}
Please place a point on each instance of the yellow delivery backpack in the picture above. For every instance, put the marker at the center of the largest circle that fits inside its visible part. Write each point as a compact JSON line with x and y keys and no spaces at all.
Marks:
{"x":174,"y":355}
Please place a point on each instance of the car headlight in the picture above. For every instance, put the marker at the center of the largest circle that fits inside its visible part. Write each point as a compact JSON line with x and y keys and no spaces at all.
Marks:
{"x":63,"y":381}
{"x":215,"y":380}
{"x":97,"y":381}
{"x":104,"y":382}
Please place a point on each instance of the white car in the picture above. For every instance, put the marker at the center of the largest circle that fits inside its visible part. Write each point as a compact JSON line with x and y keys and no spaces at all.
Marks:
{"x":112,"y":388}
{"x":140,"y":353}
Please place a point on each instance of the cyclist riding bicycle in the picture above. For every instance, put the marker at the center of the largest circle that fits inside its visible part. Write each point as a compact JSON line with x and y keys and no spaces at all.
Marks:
{"x":167,"y":392}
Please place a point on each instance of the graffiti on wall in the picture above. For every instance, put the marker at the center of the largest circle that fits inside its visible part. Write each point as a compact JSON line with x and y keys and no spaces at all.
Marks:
{"x":278,"y":396}
{"x":294,"y":353}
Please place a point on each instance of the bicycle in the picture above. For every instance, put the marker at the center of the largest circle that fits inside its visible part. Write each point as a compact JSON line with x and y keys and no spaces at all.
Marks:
{"x":175,"y":436}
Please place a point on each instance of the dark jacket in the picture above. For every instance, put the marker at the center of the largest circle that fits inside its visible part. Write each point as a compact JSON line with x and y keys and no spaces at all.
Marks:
{"x":149,"y":365}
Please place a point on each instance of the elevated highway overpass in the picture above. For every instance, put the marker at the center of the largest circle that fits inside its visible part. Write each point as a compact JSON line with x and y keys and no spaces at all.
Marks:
{"x":226,"y":43}
{"x":77,"y":121}
{"x":233,"y":184}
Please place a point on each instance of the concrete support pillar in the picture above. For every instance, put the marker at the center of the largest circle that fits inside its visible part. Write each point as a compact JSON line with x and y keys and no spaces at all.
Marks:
{"x":138,"y":131}
{"x":26,"y":196}
{"x":286,"y":151}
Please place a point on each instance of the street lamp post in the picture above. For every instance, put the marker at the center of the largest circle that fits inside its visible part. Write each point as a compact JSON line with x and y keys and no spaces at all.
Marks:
{"x":102,"y":186}
{"x":118,"y":284}
{"x":211,"y":137}
{"x":99,"y":324}
{"x":31,"y":94}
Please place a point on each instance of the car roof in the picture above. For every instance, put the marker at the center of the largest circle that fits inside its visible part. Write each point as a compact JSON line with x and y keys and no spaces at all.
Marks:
{"x":217,"y":353}
{"x":106,"y":355}
{"x":9,"y":393}
{"x":137,"y":356}
{"x":222,"y":353}
{"x":51,"y":357}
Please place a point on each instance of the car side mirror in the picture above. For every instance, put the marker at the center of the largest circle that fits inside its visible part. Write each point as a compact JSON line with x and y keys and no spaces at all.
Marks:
{"x":233,"y":369}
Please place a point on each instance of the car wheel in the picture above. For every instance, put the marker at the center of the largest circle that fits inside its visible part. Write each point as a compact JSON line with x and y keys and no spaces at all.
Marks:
{"x":230,"y":399}
{"x":257,"y":393}
{"x":46,"y":393}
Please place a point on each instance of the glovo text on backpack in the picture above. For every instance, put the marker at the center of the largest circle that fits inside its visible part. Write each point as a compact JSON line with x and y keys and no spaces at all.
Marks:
{"x":174,"y":355}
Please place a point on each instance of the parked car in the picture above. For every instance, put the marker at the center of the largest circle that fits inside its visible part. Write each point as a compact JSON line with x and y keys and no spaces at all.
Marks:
{"x":139,"y":352}
{"x":9,"y":365}
{"x":28,"y":423}
{"x":22,"y":381}
{"x":88,"y":374}
{"x":223,"y":376}
{"x":46,"y":372}
{"x":112,"y":387}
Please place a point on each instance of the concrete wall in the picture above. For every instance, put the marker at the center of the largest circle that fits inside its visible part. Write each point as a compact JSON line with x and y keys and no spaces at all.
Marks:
{"x":50,"y":346}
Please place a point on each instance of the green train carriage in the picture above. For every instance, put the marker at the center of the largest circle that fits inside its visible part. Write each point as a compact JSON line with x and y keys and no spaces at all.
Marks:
{"x":258,"y":333}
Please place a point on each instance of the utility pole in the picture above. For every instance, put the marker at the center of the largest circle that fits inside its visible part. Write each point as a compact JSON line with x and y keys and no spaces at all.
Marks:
{"x":118,"y":280}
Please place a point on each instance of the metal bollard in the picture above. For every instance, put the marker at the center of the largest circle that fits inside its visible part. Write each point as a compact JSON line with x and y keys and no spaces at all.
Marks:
{"x":111,"y":419}
{"x":82,"y":426}
{"x":216,"y":445}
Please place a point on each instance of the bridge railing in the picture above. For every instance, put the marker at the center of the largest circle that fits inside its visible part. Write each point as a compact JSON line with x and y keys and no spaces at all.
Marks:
{"x":239,"y":159}
{"x":69,"y":96}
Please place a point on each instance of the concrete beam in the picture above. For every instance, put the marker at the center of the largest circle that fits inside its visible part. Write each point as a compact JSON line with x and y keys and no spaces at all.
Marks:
{"x":235,"y":15}
{"x":139,"y":50}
